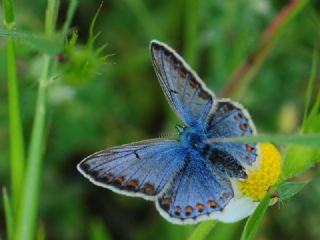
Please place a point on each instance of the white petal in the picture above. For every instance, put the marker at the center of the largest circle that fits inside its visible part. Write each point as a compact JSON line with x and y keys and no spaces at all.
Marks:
{"x":237,"y":209}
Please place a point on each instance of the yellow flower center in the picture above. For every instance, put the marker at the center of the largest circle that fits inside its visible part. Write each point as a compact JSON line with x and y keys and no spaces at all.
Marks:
{"x":258,"y":182}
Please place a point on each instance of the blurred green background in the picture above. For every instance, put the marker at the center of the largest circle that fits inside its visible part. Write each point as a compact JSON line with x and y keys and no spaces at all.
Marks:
{"x":121,"y":101}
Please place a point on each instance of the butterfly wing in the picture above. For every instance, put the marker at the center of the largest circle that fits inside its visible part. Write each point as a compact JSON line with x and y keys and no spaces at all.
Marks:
{"x":230,"y":119}
{"x":195,"y":193}
{"x":138,"y":169}
{"x":184,"y":90}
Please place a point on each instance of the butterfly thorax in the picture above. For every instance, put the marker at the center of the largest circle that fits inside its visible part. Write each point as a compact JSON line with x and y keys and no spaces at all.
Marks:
{"x":193,"y":139}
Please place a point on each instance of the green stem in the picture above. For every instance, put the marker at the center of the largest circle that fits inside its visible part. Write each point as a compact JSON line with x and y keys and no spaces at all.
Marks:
{"x":70,"y":13}
{"x":255,"y":220}
{"x":202,"y":230}
{"x":29,"y":201}
{"x":27,"y":214}
{"x":15,"y":126}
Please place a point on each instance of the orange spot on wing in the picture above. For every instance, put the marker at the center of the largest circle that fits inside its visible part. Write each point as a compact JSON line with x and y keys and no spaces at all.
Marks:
{"x":188,"y":210}
{"x":202,"y":94}
{"x":249,"y":148}
{"x":212,"y":204}
{"x":119,"y":179}
{"x":193,"y":83}
{"x":183,"y":72}
{"x":243,"y":126}
{"x":148,"y":189}
{"x":133,"y":184}
{"x":200,"y":207}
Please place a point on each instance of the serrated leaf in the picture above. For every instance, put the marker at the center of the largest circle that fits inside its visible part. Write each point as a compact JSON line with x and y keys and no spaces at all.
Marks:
{"x":289,"y":189}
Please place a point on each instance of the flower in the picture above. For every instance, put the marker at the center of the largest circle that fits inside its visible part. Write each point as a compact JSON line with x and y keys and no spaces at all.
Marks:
{"x":259,"y":181}
{"x":249,"y":192}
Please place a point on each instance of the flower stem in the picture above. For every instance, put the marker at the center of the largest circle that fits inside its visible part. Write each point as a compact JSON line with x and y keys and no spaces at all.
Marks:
{"x":15,"y":126}
{"x":28,"y":208}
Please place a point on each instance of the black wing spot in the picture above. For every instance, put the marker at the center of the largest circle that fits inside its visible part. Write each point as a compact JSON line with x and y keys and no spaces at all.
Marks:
{"x":173,"y":91}
{"x":136,"y":154}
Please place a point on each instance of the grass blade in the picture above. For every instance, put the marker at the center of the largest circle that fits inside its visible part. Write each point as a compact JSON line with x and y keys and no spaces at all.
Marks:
{"x":253,"y":223}
{"x":9,"y":13}
{"x":70,"y":13}
{"x":311,"y":81}
{"x":8,"y":214}
{"x":17,"y":154}
{"x":202,"y":230}
{"x":300,"y":158}
{"x":27,"y":215}
{"x":309,"y":140}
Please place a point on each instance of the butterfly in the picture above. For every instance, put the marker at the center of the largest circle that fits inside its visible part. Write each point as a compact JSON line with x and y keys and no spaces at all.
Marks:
{"x":191,"y":178}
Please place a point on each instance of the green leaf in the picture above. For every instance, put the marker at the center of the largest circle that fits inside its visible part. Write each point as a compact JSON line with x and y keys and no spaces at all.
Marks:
{"x":8,"y":214}
{"x":253,"y":223}
{"x":40,"y":43}
{"x":9,"y":12}
{"x":300,"y":158}
{"x":311,"y":81}
{"x":289,"y":189}
{"x":202,"y":230}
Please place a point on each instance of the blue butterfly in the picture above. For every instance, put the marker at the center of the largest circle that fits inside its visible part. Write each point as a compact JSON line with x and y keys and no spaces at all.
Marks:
{"x":190,"y":179}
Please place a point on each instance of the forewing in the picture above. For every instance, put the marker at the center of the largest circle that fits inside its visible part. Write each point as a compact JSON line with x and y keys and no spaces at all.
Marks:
{"x":195,"y":193}
{"x":230,"y":119}
{"x":184,"y":90}
{"x":138,"y":169}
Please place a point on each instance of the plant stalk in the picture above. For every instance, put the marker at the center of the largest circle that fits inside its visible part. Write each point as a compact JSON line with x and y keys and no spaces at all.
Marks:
{"x":17,"y":155}
{"x":27,"y":217}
